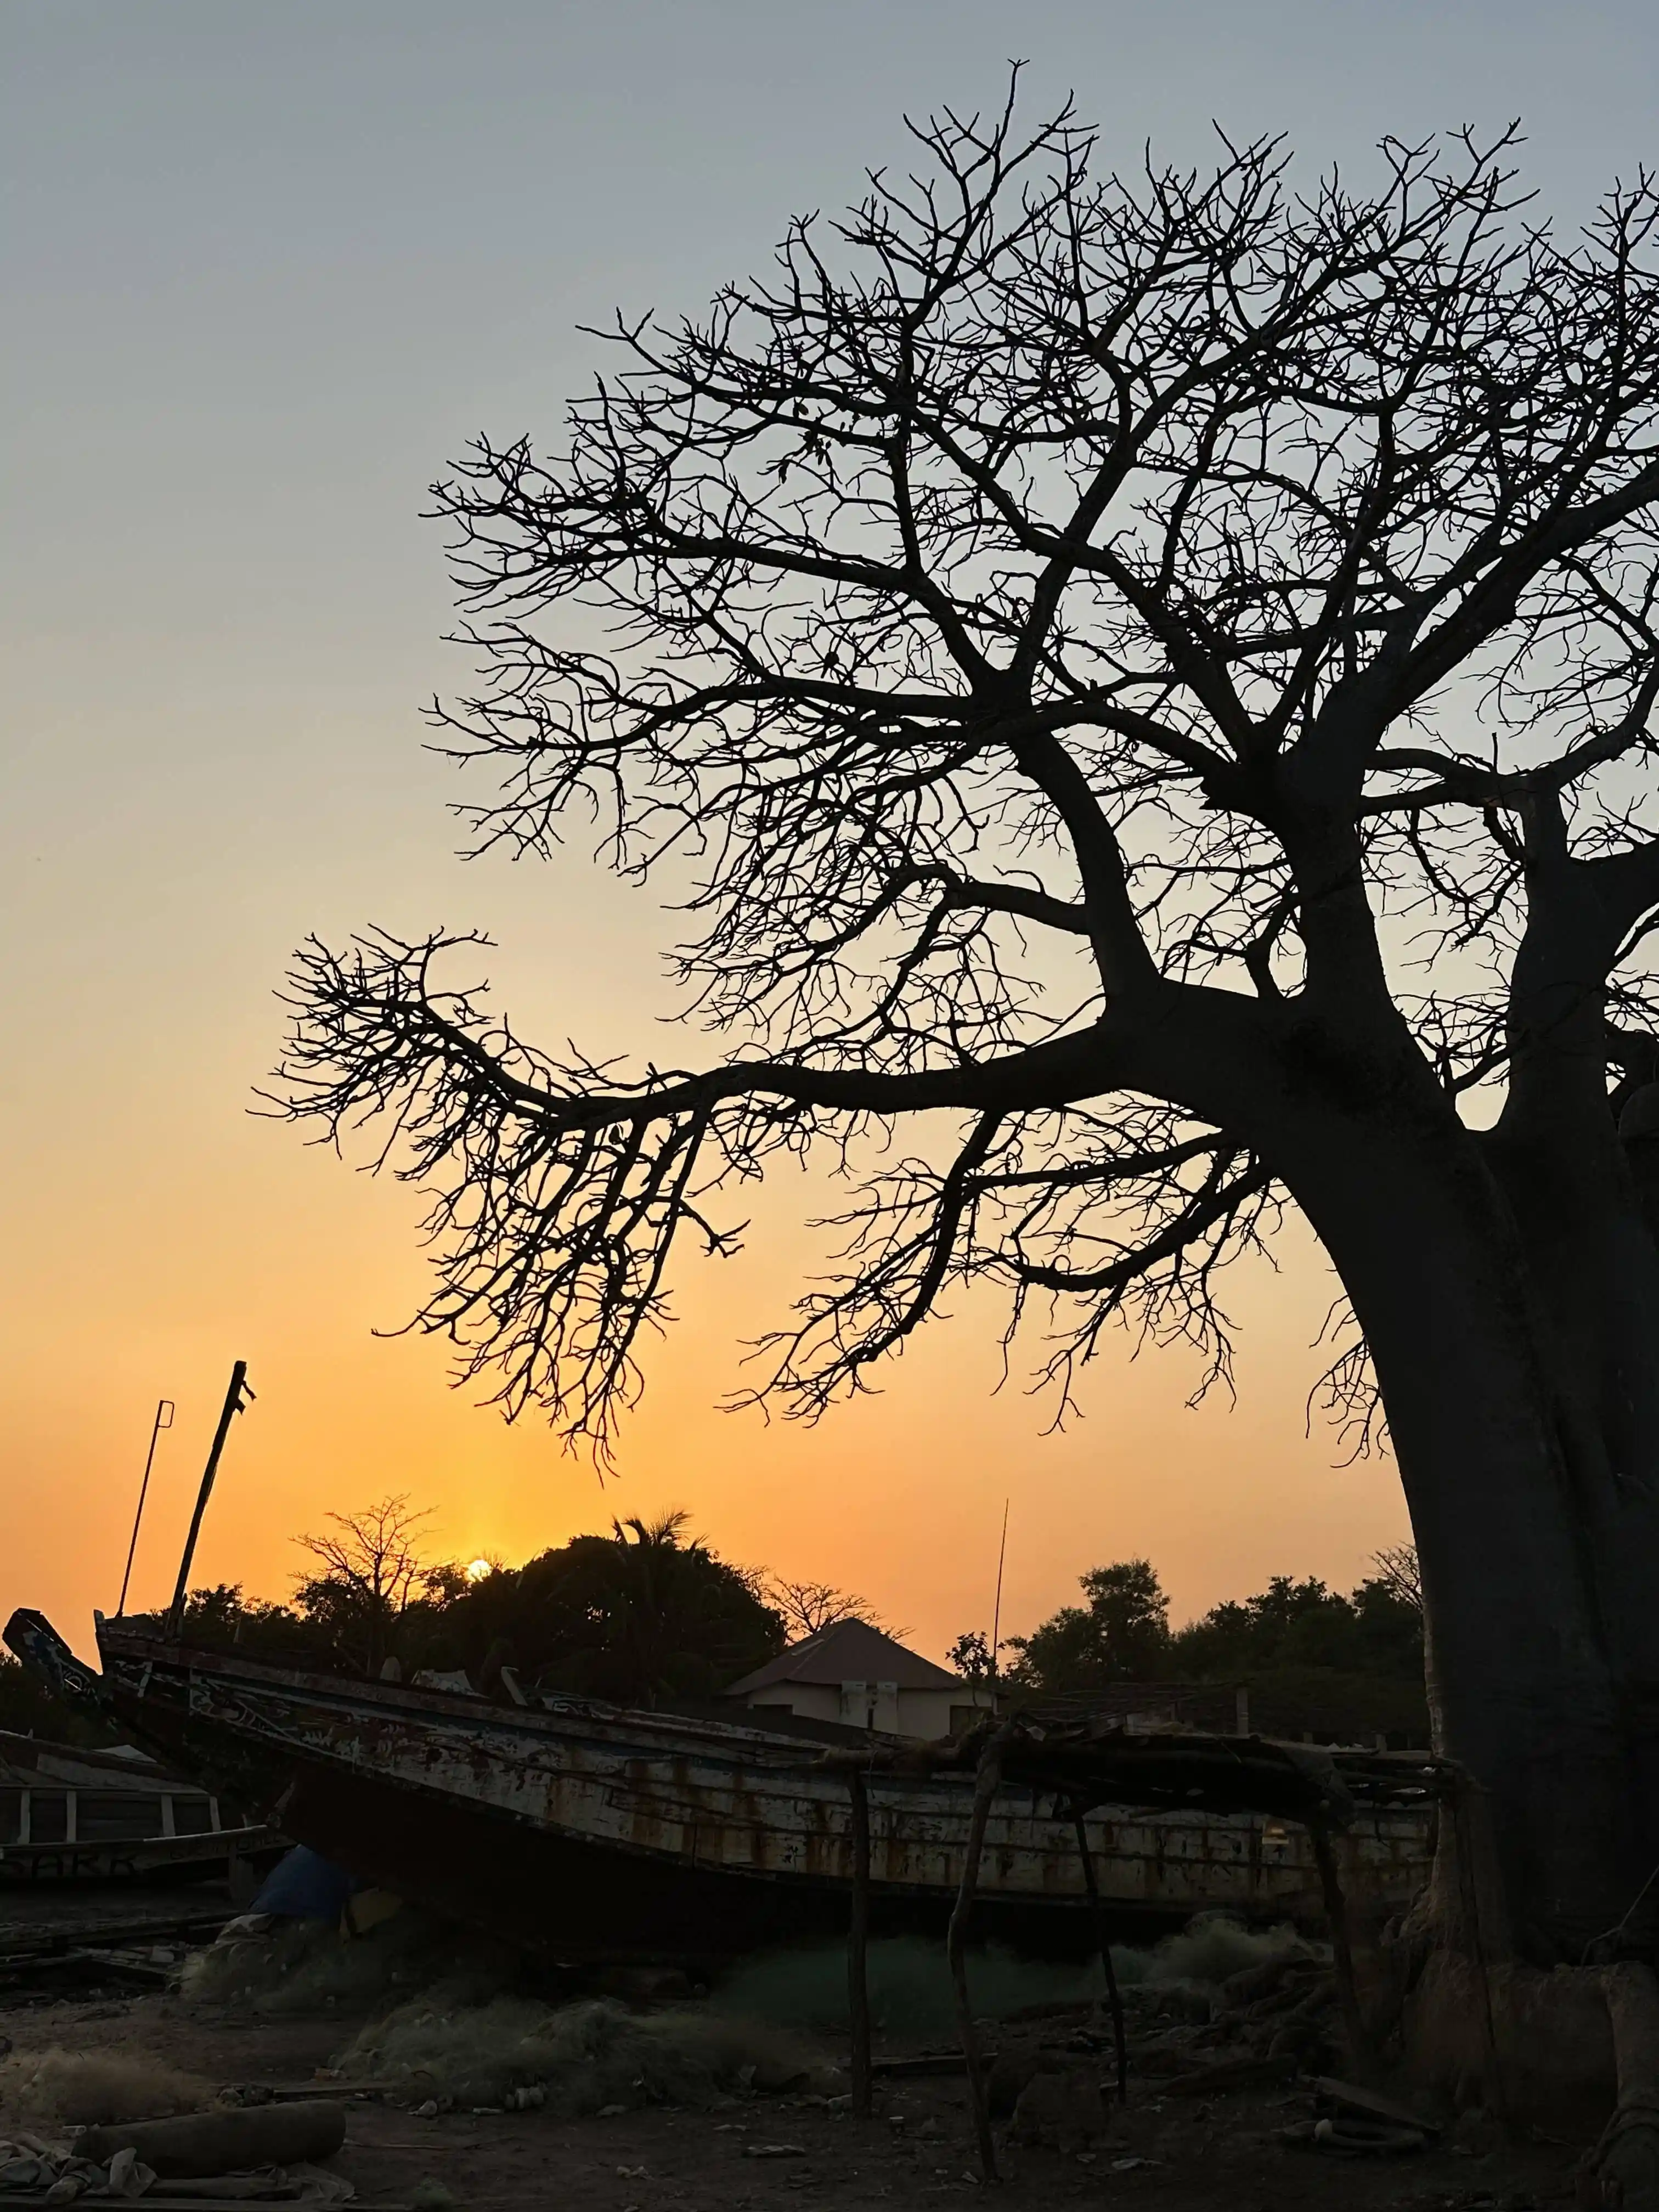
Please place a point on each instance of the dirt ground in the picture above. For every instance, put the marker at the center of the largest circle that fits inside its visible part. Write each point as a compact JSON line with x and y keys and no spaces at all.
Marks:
{"x":755,"y":2153}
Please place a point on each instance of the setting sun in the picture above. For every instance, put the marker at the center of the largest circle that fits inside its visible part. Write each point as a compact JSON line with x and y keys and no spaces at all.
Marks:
{"x":477,"y":1568}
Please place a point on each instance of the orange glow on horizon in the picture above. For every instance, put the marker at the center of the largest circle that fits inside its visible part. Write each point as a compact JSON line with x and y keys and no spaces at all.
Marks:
{"x":898,"y":1495}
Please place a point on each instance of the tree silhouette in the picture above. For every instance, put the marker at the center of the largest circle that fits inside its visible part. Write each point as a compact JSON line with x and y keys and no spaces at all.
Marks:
{"x":1121,"y":1635}
{"x":647,"y":1614}
{"x":808,"y":1606}
{"x":1397,"y":1568}
{"x":370,"y":1574}
{"x":971,"y":1656}
{"x":1148,"y":679}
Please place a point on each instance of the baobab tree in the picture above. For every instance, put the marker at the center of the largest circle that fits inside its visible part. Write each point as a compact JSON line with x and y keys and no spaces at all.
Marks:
{"x":1147,"y":680}
{"x":807,"y":1608}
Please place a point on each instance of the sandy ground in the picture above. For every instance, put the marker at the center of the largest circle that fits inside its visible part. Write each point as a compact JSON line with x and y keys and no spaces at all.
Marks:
{"x":752,"y":2153}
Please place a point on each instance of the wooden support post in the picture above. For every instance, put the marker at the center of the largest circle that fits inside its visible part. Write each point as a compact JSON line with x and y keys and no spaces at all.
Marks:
{"x":1336,"y":1913}
{"x":1114,"y":1994}
{"x":236,"y":1398}
{"x":858,"y":1944}
{"x":985,"y":1789}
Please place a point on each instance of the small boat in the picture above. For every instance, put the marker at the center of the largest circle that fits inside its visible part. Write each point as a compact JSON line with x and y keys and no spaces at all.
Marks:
{"x":71,"y":1815}
{"x":580,"y":1830}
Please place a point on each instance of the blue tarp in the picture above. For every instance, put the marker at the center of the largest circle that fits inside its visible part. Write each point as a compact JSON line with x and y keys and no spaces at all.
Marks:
{"x":305,"y":1886}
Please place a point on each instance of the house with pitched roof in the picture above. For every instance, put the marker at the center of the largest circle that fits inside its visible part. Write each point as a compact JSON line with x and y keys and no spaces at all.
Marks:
{"x":851,"y":1673}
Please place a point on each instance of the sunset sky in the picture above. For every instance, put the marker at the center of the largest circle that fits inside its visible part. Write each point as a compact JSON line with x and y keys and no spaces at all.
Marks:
{"x":269,"y":267}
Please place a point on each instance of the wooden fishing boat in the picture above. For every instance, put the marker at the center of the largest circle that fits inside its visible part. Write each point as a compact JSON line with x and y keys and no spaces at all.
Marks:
{"x":581,"y":1829}
{"x":72,"y":1815}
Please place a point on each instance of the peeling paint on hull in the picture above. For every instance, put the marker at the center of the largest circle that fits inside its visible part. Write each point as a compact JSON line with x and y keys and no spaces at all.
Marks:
{"x":581,"y":1828}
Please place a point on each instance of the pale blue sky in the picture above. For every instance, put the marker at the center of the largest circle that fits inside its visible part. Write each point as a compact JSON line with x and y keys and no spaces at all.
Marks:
{"x":268,"y":266}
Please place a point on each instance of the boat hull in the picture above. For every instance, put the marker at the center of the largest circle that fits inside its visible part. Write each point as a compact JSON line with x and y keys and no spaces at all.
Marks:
{"x":145,"y":1859}
{"x":580,"y":1830}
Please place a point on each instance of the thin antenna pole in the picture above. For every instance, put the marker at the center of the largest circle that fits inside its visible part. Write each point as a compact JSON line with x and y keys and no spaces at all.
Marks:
{"x":164,"y":1412}
{"x":233,"y":1404}
{"x":996,"y":1610}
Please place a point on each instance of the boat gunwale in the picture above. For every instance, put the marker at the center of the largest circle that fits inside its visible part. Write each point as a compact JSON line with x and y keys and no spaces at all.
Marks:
{"x":539,"y":1718}
{"x":719,"y":1745}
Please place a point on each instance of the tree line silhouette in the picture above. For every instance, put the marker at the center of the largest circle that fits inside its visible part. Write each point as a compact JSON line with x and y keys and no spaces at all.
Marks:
{"x":650,"y":1613}
{"x":1311,"y":1660}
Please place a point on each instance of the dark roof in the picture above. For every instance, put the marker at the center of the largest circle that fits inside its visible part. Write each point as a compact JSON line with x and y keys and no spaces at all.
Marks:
{"x":32,"y":1761}
{"x":849,"y":1651}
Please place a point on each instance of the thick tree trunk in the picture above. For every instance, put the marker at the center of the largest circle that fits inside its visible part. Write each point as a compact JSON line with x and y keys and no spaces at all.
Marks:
{"x":1593,"y":1260}
{"x":1532,"y":1573}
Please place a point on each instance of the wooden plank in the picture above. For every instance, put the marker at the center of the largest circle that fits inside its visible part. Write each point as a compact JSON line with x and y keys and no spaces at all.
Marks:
{"x":934,"y":2065}
{"x":153,"y":2201}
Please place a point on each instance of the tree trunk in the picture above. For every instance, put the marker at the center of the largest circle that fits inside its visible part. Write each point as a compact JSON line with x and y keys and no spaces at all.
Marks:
{"x":1542,"y":1653}
{"x":1593,"y":1260}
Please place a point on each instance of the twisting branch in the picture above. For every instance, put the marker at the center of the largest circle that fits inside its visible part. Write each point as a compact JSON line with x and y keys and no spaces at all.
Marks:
{"x":1347,"y":1393}
{"x":559,"y":1191}
{"x":1109,"y":1219}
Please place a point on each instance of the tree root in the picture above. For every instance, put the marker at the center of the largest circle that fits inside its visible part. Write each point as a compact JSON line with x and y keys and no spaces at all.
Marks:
{"x":1625,"y":2166}
{"x":1528,"y":2044}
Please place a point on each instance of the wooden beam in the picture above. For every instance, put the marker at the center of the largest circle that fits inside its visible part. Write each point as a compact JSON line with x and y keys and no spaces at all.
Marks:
{"x":858,"y":1944}
{"x":1114,"y":1994}
{"x":986,"y":1784}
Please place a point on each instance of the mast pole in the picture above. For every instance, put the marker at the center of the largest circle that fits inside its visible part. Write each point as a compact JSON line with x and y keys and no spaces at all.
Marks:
{"x":996,"y":1610}
{"x":235,"y":1398}
{"x":163,"y":1406}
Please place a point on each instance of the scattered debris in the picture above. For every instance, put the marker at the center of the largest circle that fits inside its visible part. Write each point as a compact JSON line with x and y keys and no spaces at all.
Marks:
{"x":1060,"y":2112}
{"x":940,"y":2065}
{"x":1231,"y":2074}
{"x":1356,"y":2138}
{"x":96,"y":1947}
{"x":409,"y":2085}
{"x":27,"y":2165}
{"x":1349,"y":2097}
{"x":289,"y":2093}
{"x":36,"y":2172}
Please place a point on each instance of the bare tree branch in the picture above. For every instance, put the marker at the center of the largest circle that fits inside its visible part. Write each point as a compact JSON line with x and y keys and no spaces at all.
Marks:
{"x":1079,"y":647}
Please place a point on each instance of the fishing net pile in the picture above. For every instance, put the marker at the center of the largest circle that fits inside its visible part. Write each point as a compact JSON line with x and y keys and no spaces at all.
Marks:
{"x":577,"y":2059}
{"x":84,"y":2089}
